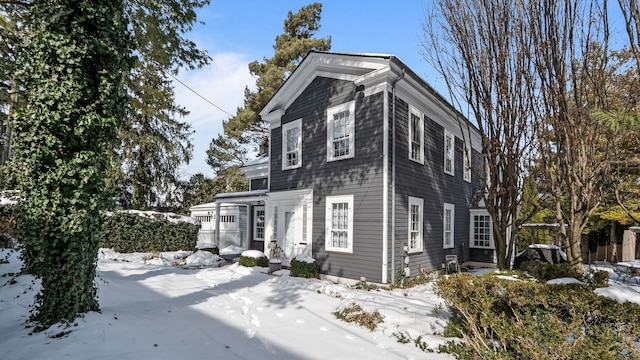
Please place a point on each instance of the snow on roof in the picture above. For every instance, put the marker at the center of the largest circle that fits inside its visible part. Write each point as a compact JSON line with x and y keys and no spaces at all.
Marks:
{"x":169,"y":216}
{"x":241,"y":194}
{"x":212,"y":205}
{"x":544,"y":246}
{"x":262,"y":159}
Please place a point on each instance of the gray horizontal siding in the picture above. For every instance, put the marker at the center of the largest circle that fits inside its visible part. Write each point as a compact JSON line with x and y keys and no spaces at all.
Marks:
{"x":429,"y":182}
{"x":360,"y":176}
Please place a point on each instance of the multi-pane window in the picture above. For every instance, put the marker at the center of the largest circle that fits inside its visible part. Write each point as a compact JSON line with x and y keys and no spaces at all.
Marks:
{"x":339,"y":223}
{"x":258,"y":223}
{"x":449,"y":217}
{"x":481,"y":232}
{"x":467,"y":163}
{"x":292,"y":145}
{"x":341,"y":131}
{"x":416,"y":135}
{"x":449,"y":143}
{"x":415,"y":224}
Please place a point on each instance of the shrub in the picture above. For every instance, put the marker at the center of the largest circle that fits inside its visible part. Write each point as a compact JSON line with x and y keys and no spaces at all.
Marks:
{"x":253,"y":261}
{"x":129,"y":232}
{"x":404,"y":282}
{"x":529,"y":320}
{"x":544,"y":272}
{"x":596,"y":278}
{"x":304,"y":268}
{"x":364,"y":285}
{"x":355,"y":314}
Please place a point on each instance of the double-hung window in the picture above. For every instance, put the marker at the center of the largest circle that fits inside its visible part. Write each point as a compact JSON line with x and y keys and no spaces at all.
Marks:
{"x":258,"y":223}
{"x":467,"y":163}
{"x":481,"y":231}
{"x":415,"y":224}
{"x":292,"y":145}
{"x":341,"y":131}
{"x":339,"y":224}
{"x":449,"y":143}
{"x":416,"y":135}
{"x":448,"y":225}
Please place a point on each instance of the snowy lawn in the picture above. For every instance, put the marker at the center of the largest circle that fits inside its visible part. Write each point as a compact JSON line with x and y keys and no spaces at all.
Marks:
{"x":167,"y":307}
{"x":159,"y":308}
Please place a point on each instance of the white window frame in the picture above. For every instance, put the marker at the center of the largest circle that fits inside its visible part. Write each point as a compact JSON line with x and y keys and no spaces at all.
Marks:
{"x":340,"y":199}
{"x":448,"y":229}
{"x":449,"y":152}
{"x":255,"y":222}
{"x":350,"y":107}
{"x":472,"y":229}
{"x":413,"y":111}
{"x":285,"y":141}
{"x":466,"y":163}
{"x":418,"y":228}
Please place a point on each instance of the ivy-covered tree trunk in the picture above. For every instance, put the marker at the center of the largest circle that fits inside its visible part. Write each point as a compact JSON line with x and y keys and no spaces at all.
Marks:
{"x":73,"y":63}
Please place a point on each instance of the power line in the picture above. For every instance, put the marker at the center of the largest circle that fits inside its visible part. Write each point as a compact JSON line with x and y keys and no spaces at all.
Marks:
{"x":202,"y":97}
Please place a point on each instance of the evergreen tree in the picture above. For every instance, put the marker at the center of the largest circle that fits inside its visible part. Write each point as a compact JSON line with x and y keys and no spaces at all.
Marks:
{"x":246,"y":128}
{"x":155,"y":141}
{"x":75,"y":57}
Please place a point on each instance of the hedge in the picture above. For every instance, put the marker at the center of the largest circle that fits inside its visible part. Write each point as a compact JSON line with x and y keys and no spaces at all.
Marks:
{"x":127,"y":233}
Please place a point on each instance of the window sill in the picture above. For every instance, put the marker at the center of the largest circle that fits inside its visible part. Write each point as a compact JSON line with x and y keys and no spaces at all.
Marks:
{"x":340,"y":158}
{"x":342,"y":252}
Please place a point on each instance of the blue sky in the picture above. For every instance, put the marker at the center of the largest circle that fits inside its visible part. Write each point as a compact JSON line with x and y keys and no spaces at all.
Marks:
{"x":237,"y":32}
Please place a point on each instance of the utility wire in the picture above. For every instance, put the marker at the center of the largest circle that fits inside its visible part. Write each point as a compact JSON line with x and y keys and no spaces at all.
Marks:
{"x":202,"y":97}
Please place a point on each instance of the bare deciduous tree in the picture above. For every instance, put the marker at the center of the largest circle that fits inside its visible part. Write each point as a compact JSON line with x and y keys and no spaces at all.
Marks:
{"x":571,"y":55}
{"x":631,"y":14}
{"x":481,"y":49}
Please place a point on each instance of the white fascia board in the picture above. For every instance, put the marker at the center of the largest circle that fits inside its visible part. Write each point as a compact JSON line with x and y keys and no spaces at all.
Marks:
{"x":273,"y":118}
{"x":338,"y":66}
{"x":256,"y":171}
{"x":375,"y":81}
{"x":433,"y":107}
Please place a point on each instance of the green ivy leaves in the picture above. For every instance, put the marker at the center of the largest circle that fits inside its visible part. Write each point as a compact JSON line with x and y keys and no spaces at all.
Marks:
{"x":75,"y":55}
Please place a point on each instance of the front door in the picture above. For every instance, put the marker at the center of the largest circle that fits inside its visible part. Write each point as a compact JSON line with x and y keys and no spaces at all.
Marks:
{"x":293,"y":232}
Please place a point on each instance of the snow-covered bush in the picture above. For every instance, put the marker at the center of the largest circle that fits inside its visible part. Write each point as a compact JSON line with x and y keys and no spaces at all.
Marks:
{"x":252,"y":258}
{"x":304,"y":267}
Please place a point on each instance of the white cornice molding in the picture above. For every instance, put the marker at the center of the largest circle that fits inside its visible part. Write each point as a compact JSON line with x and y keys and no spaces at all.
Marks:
{"x":273,"y":118}
{"x":338,"y":66}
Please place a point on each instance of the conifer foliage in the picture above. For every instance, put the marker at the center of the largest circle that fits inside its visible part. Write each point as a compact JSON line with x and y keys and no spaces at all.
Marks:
{"x":75,"y":56}
{"x":246,"y":127}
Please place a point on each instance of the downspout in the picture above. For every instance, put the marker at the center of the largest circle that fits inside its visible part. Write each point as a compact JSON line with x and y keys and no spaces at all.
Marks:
{"x":393,"y":176}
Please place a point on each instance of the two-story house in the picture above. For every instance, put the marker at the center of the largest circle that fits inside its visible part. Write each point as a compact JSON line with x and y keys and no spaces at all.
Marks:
{"x":370,"y":171}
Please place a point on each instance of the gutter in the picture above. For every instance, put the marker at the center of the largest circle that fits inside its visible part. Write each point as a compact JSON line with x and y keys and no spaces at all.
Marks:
{"x":393,"y":175}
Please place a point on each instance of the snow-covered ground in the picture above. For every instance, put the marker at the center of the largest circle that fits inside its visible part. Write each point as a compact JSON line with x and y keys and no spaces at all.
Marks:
{"x":167,"y":308}
{"x":153,"y":309}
